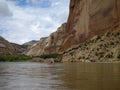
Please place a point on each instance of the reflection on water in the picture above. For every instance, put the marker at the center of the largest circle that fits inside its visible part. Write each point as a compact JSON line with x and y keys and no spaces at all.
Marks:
{"x":67,"y":76}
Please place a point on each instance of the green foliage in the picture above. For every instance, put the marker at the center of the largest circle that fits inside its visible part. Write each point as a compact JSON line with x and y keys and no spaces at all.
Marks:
{"x":97,"y":49}
{"x":83,"y":57}
{"x":96,"y":54}
{"x":79,"y":58}
{"x":118,"y":34}
{"x":98,"y":38}
{"x":111,"y":43}
{"x":101,"y":56}
{"x":108,"y":34}
{"x":87,"y":48}
{"x":108,"y":56}
{"x":15,"y":58}
{"x":47,"y":56}
{"x":118,"y":56}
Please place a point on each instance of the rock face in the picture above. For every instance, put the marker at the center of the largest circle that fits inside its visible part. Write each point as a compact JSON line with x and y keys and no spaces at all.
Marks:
{"x":47,"y":45}
{"x":6,"y":48}
{"x":19,"y":49}
{"x":104,"y":48}
{"x":37,"y":48}
{"x":87,"y":18}
{"x":30,"y":43}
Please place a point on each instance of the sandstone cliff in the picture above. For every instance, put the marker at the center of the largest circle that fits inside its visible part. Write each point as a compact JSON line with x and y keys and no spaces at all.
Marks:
{"x":87,"y":18}
{"x":48,"y":45}
{"x":7,"y":48}
{"x":19,"y":49}
{"x":30,"y":43}
{"x":104,"y":48}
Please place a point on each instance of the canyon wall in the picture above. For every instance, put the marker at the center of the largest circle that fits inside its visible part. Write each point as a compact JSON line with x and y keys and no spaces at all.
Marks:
{"x":87,"y":18}
{"x":48,"y":45}
{"x":7,"y":48}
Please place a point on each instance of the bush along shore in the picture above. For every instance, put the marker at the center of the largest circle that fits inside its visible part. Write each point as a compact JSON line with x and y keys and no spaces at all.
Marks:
{"x":55,"y":57}
{"x":21,"y":58}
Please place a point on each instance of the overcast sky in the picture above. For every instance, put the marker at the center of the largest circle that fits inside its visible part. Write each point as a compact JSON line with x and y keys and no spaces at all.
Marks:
{"x":25,"y":20}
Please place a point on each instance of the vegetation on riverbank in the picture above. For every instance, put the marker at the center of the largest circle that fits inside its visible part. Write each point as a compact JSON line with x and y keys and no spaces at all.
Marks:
{"x":47,"y":56}
{"x":118,"y":55}
{"x":14,"y":58}
{"x":103,"y":48}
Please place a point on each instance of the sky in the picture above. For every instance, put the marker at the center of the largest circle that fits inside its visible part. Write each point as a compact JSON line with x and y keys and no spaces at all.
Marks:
{"x":25,"y":20}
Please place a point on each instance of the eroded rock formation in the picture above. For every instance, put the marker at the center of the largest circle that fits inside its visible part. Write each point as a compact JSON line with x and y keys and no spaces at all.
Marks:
{"x":48,"y":45}
{"x":87,"y":18}
{"x":7,"y":48}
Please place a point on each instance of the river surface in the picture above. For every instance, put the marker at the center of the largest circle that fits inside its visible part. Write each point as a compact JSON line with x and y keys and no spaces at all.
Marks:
{"x":61,"y":76}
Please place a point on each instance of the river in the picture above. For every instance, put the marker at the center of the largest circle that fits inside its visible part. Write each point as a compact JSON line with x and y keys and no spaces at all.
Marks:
{"x":60,"y":76}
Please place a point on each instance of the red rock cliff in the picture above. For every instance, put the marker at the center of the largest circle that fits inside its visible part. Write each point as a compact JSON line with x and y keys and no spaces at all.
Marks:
{"x":87,"y":18}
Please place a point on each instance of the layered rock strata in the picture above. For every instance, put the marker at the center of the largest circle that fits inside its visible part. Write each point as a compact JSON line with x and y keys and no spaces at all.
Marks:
{"x":87,"y":18}
{"x":6,"y":48}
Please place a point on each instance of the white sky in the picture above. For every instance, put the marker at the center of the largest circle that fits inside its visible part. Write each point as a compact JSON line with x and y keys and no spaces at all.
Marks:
{"x":25,"y":20}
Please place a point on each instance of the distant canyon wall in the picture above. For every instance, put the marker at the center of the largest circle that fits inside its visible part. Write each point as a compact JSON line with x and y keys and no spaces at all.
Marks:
{"x":7,"y":48}
{"x":87,"y":18}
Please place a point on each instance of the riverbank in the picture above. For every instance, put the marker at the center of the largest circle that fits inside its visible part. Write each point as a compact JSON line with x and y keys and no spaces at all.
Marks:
{"x":48,"y":60}
{"x":21,"y":58}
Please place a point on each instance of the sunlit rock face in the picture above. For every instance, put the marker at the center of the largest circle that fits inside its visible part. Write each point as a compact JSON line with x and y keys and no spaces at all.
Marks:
{"x":87,"y":18}
{"x":37,"y":48}
{"x":47,"y":45}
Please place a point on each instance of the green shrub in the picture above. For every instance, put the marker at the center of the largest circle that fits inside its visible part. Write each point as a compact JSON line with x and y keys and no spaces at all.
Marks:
{"x":83,"y":57}
{"x":97,"y":49}
{"x":98,"y":37}
{"x":87,"y":48}
{"x":108,"y":34}
{"x":118,"y":56}
{"x":108,"y":55}
{"x":118,"y":34}
{"x":47,"y":56}
{"x":111,"y":43}
{"x":79,"y":58}
{"x":96,"y":54}
{"x":15,"y":58}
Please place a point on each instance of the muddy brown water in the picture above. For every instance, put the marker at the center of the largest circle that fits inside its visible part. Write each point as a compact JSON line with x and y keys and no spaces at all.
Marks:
{"x":60,"y":76}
